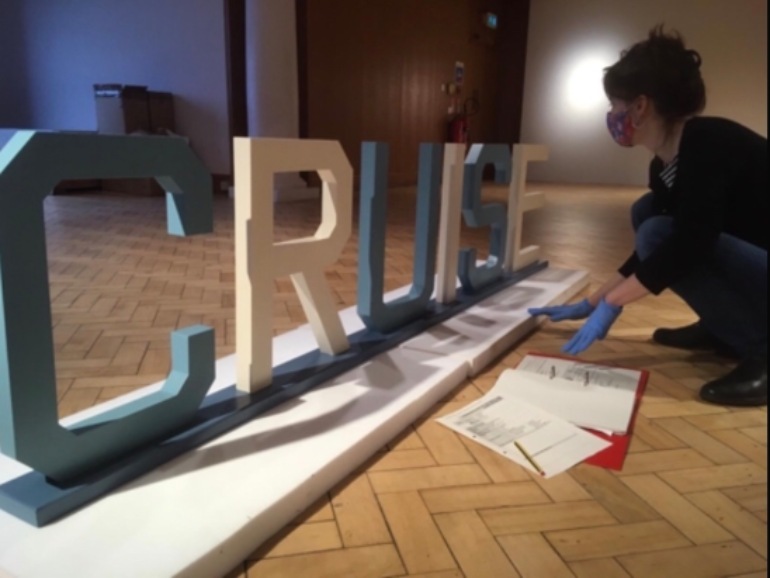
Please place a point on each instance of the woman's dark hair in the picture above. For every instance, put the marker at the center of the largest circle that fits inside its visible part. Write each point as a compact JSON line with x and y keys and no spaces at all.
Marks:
{"x":662,"y":69}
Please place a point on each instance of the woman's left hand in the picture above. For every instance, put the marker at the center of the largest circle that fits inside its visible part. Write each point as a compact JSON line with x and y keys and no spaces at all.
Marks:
{"x":596,"y":327}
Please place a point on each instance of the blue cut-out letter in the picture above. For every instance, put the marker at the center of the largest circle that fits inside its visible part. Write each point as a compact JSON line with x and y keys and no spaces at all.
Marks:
{"x":375,"y":314}
{"x":491,"y":215}
{"x":31,"y":164}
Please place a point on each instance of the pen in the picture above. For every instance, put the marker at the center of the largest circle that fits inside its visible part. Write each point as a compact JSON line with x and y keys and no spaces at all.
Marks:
{"x":529,"y":458}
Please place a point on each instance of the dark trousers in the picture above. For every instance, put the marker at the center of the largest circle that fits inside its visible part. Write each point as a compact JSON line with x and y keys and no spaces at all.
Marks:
{"x":729,"y":292}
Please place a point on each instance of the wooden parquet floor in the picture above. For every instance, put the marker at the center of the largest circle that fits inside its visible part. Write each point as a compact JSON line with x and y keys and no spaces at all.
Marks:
{"x":690,"y":502}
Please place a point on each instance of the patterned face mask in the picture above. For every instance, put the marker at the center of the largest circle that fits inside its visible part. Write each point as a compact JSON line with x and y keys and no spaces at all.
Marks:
{"x":621,"y":127}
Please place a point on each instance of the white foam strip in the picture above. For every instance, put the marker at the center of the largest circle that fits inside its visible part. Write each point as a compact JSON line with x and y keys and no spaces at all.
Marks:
{"x":204,"y":512}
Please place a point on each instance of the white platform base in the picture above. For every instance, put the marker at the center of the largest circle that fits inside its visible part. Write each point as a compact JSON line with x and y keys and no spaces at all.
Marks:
{"x":204,"y":512}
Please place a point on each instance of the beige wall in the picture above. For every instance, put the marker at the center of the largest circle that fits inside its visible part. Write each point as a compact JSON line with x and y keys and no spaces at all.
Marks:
{"x":570,"y":41}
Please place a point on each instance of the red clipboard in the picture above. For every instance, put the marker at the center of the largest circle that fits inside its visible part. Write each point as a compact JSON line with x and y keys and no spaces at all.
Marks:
{"x":614,"y":456}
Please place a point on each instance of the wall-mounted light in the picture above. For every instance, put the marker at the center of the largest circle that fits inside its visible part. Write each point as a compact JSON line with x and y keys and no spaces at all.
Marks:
{"x":583,"y":87}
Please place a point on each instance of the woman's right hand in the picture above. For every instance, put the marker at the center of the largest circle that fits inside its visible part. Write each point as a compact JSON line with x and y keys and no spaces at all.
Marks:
{"x":579,"y":310}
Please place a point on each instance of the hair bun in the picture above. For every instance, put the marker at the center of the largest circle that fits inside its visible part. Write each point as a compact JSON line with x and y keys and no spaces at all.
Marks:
{"x":695,"y":57}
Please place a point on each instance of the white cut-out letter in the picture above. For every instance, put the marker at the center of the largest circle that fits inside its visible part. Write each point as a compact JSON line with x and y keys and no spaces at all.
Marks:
{"x":258,"y":260}
{"x":449,"y":226}
{"x":520,"y":202}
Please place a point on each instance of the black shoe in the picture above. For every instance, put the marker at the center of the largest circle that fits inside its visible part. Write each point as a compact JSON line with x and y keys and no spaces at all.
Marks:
{"x":746,"y":385}
{"x":692,"y":337}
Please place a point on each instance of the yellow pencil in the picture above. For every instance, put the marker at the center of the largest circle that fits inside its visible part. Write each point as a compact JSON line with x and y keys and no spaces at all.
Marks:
{"x":530,"y":459}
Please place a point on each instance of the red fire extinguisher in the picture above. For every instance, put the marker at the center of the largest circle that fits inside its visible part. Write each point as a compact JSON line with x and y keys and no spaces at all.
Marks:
{"x":457,"y":127}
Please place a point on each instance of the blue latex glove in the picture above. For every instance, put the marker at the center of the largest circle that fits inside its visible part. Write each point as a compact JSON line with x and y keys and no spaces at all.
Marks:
{"x":596,"y":327}
{"x":561,"y":312}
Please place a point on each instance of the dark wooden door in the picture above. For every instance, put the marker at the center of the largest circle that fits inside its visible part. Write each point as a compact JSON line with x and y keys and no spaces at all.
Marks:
{"x":374,"y":70}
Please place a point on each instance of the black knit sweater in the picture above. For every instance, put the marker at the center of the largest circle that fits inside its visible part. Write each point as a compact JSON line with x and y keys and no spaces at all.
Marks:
{"x":720,"y":187}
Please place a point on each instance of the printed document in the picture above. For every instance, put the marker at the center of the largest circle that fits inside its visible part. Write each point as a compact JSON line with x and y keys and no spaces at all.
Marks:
{"x":588,"y":395}
{"x":511,"y":426}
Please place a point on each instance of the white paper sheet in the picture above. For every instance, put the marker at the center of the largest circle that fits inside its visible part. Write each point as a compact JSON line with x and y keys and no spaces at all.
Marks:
{"x":498,"y":420}
{"x":587,"y":395}
{"x":598,"y":375}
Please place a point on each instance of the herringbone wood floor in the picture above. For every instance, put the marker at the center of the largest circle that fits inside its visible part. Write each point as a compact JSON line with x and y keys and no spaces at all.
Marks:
{"x":690,"y":502}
